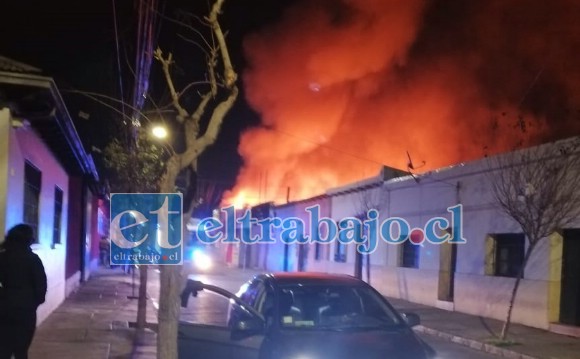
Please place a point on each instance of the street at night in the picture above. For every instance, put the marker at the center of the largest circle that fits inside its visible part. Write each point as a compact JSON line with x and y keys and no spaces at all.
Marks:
{"x":356,"y":179}
{"x":210,"y":308}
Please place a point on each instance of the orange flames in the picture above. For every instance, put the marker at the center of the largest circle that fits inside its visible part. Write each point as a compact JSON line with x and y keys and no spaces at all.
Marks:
{"x":344,"y":87}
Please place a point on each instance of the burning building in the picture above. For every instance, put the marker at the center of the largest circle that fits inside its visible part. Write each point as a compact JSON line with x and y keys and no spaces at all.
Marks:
{"x":344,"y":86}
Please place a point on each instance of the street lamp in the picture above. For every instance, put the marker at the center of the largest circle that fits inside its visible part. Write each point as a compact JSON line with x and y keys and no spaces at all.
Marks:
{"x":159,"y":131}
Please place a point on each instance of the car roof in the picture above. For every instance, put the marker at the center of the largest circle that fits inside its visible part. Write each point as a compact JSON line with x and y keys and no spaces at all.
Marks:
{"x":284,"y":278}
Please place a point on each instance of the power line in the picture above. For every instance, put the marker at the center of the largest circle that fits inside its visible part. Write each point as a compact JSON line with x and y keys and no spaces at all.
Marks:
{"x":118,"y":57}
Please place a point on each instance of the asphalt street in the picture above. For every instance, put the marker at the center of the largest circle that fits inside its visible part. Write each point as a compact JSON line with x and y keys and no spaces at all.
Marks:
{"x":209,"y":308}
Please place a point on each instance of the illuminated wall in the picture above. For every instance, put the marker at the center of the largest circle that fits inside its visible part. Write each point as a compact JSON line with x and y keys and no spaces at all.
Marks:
{"x":475,"y":291}
{"x":25,"y":145}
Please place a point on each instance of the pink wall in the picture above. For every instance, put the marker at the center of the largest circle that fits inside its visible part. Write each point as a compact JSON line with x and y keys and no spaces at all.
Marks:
{"x":25,"y":145}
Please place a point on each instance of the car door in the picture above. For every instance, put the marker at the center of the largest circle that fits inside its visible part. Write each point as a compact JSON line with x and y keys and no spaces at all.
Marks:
{"x":248,"y":293}
{"x":203,"y":341}
{"x":221,"y":342}
{"x":260,"y":296}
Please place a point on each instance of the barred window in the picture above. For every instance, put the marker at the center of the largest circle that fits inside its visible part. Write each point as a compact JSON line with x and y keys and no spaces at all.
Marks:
{"x":58,"y":197}
{"x":509,"y":254}
{"x":32,"y":185}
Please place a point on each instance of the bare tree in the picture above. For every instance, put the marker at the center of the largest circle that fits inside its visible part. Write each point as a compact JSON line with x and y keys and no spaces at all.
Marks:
{"x":215,"y":102}
{"x":539,"y":188}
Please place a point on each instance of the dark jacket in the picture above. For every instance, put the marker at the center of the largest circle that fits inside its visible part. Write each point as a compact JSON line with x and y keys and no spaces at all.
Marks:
{"x":22,"y":279}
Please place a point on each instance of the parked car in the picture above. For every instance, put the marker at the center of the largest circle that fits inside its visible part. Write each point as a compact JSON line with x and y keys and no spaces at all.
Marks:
{"x":303,"y":316}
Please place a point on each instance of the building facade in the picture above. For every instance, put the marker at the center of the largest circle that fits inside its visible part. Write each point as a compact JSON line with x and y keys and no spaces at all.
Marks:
{"x":46,"y":179}
{"x":475,"y":277}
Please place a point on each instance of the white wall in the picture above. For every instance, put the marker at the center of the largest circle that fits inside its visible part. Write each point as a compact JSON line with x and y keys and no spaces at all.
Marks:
{"x":475,"y":292}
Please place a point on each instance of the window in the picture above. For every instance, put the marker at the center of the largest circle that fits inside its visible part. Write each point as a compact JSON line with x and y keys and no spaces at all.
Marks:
{"x":340,"y":253}
{"x":32,"y":184}
{"x":265,"y":302}
{"x":251,"y":292}
{"x":409,"y":255}
{"x":325,"y":307}
{"x":506,"y":254}
{"x":58,"y":196}
{"x":317,"y":254}
{"x":339,"y":250}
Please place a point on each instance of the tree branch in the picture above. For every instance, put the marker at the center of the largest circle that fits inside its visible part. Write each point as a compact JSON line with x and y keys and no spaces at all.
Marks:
{"x":230,"y":75}
{"x":165,"y":63}
{"x":181,"y":23}
{"x":193,"y":42}
{"x":211,"y":65}
{"x":213,"y":129}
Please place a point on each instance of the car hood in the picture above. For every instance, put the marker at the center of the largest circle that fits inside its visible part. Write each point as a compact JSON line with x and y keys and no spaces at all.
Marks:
{"x":369,"y":344}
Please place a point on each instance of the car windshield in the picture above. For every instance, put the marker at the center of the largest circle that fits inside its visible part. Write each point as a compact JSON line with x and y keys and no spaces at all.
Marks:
{"x":333,"y":307}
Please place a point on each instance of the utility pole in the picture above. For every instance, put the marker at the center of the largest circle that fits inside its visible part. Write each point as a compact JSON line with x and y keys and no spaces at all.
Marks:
{"x":146,"y":24}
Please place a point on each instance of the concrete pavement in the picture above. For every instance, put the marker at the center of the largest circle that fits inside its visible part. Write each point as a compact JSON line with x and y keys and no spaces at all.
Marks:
{"x":475,"y":332}
{"x":94,"y":323}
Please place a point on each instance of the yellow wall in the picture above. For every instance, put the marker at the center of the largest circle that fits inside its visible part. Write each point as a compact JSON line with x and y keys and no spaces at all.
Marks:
{"x":555,"y":280}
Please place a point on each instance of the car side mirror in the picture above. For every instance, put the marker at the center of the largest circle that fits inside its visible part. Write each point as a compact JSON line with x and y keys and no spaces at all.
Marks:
{"x":192,"y":288}
{"x":412,"y":319}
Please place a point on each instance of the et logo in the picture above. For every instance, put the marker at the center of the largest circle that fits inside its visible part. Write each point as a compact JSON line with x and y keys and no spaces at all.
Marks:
{"x":146,"y":229}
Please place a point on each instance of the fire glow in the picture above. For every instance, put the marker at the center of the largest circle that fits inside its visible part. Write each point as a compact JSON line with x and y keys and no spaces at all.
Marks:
{"x":345,"y":86}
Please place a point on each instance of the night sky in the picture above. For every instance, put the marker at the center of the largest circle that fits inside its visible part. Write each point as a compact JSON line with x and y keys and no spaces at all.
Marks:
{"x":74,"y":42}
{"x":341,"y":87}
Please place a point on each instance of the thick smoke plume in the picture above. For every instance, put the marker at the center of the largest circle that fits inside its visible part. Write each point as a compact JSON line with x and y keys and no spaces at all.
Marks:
{"x":344,"y":86}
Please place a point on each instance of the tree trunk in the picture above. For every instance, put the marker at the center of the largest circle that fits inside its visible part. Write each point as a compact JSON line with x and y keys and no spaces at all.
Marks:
{"x":506,"y":324}
{"x":142,"y":303}
{"x":170,"y":276}
{"x":168,"y":314}
{"x":169,"y":282}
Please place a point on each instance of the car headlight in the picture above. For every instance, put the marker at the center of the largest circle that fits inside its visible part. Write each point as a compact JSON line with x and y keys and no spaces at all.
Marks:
{"x":201,"y":260}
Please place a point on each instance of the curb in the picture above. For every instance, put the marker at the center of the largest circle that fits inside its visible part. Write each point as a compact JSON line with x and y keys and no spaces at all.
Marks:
{"x":473,"y":344}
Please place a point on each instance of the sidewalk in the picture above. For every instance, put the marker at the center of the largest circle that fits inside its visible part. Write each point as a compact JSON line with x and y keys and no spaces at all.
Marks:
{"x":93,"y":322}
{"x":475,"y":331}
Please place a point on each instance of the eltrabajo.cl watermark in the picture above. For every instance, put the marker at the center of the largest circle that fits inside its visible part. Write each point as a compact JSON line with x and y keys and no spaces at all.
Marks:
{"x":365,"y":232}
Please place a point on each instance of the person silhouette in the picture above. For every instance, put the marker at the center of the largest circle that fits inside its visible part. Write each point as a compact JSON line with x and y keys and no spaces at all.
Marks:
{"x":22,"y":289}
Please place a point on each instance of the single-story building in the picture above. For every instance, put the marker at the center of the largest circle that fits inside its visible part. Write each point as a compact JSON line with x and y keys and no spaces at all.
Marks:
{"x":47,"y":179}
{"x":475,"y":277}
